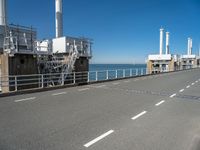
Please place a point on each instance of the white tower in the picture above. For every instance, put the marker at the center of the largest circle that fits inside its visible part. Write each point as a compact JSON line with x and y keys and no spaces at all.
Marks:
{"x":167,"y":43}
{"x":189,"y":46}
{"x":3,"y":17}
{"x":161,"y":40}
{"x":59,"y":19}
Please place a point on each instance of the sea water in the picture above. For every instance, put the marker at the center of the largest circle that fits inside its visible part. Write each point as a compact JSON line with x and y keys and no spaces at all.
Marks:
{"x":112,"y":71}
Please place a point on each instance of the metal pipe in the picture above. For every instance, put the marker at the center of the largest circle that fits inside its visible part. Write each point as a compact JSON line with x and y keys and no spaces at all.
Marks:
{"x":188,"y":46}
{"x":167,"y":43}
{"x":3,"y":13}
{"x":161,"y":40}
{"x":59,"y":19}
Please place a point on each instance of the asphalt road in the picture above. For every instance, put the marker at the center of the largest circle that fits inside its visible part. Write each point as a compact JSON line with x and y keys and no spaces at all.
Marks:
{"x":160,"y":112}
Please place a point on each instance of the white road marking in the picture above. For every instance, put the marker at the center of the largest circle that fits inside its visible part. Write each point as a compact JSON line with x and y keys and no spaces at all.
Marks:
{"x":188,"y":86}
{"x":98,"y":138}
{"x":159,"y":103}
{"x":116,"y":83}
{"x":197,"y":81}
{"x":100,"y":86}
{"x":61,"y":93}
{"x":181,"y":90}
{"x":26,"y":99}
{"x":173,"y":95}
{"x":192,"y":83}
{"x":139,"y":115}
{"x":84,"y":89}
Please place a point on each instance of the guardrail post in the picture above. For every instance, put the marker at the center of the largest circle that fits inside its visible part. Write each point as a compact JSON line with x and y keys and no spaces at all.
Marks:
{"x":96,"y":76}
{"x":62,"y":82}
{"x":42,"y":78}
{"x":142,"y":71}
{"x":116,"y":74}
{"x":74,"y":80}
{"x":88,"y":74}
{"x":124,"y":73}
{"x":107,"y":77}
{"x":15,"y":83}
{"x":136,"y":72}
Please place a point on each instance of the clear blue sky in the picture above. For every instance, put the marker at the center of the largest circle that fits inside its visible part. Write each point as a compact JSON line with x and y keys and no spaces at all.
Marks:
{"x":124,"y":31}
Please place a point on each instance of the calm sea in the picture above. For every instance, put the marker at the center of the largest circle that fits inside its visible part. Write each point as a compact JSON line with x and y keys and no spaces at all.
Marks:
{"x":114,"y":71}
{"x":100,"y":67}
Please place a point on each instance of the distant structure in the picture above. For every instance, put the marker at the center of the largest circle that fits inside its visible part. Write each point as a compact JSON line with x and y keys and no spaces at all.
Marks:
{"x":167,"y":62}
{"x":162,"y":62}
{"x":22,"y":54}
{"x":189,"y":60}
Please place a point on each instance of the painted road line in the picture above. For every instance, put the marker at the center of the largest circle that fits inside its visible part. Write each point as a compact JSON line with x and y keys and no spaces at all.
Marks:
{"x":197,"y":81}
{"x":188,"y":86}
{"x":139,"y":115}
{"x":192,"y":83}
{"x":181,"y":90}
{"x":61,"y":93}
{"x":100,"y":86}
{"x":98,"y":138}
{"x":173,"y":95}
{"x":26,"y":99}
{"x":117,"y":83}
{"x":84,"y":89}
{"x":161,"y":102}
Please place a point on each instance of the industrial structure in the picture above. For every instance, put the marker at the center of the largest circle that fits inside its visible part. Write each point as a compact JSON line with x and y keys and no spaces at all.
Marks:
{"x":164,"y":62}
{"x":22,"y":54}
{"x":189,"y":60}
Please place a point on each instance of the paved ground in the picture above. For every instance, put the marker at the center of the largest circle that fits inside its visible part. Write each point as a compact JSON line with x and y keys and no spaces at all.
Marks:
{"x":160,"y":112}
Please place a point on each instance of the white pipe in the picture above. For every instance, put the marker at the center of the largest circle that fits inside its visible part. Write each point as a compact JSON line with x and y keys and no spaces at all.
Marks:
{"x":188,"y":51}
{"x":161,"y":40}
{"x":167,"y":43}
{"x":3,"y":17}
{"x":190,"y":46}
{"x":59,"y":19}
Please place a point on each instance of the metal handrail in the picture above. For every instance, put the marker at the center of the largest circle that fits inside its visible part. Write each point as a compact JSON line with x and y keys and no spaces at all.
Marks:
{"x":20,"y":82}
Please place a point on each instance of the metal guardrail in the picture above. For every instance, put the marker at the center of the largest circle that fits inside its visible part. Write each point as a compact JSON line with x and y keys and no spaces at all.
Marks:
{"x":21,"y":82}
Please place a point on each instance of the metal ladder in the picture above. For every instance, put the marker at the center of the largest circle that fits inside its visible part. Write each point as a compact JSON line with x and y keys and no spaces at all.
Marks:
{"x":69,"y":67}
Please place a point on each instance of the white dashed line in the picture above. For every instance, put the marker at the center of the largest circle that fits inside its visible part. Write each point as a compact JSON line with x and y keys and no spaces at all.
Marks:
{"x":197,"y":81}
{"x":84,"y":89}
{"x":117,"y":83}
{"x":192,"y":83}
{"x":173,"y":95}
{"x":139,"y":115}
{"x":159,"y":103}
{"x":188,"y":86}
{"x":26,"y":99}
{"x":55,"y":94}
{"x":100,"y":86}
{"x":98,"y":138}
{"x":181,"y":90}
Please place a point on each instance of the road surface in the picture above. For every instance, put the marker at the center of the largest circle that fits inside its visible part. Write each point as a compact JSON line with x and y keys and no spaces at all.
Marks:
{"x":160,"y":112}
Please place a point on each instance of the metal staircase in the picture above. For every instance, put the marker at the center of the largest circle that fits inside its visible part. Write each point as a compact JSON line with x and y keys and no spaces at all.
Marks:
{"x":60,"y":66}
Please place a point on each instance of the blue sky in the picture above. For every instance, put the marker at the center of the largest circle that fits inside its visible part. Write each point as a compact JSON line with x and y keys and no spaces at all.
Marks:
{"x":124,"y":31}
